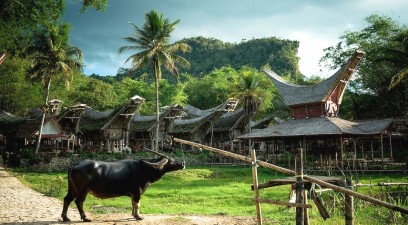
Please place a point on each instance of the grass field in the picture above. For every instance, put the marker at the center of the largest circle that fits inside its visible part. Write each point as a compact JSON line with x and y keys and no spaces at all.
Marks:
{"x":226,"y":191}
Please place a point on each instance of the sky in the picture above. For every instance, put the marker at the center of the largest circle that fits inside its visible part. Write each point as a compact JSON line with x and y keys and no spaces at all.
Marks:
{"x":316,"y":24}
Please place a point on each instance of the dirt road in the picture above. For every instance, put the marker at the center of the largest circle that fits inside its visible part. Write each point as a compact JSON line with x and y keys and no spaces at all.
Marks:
{"x":21,"y":205}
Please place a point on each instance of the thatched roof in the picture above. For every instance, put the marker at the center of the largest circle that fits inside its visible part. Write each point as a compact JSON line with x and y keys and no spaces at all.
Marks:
{"x":9,"y":122}
{"x":262,"y":123}
{"x":29,"y":128}
{"x":319,"y":126}
{"x":197,"y":118}
{"x":227,"y":106}
{"x":293,"y":94}
{"x":229,"y":121}
{"x":93,"y":120}
{"x":20,"y":127}
{"x":146,"y":123}
{"x":143,"y":123}
{"x":191,"y":125}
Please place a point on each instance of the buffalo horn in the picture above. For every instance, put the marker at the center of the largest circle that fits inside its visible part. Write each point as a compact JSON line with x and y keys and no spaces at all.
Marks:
{"x":158,"y":153}
{"x":158,"y":165}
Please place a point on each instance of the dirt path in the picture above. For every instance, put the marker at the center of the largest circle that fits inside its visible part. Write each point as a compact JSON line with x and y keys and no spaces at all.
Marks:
{"x":21,"y":205}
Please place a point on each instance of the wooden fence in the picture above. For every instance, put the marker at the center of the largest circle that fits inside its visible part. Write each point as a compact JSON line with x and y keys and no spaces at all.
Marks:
{"x":300,"y":212}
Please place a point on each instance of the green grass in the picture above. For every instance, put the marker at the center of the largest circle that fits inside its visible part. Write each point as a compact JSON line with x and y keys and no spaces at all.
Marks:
{"x":223,"y":191}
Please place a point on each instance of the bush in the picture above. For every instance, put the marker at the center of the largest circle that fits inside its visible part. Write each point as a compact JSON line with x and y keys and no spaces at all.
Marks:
{"x":31,"y":158}
{"x":64,"y":162}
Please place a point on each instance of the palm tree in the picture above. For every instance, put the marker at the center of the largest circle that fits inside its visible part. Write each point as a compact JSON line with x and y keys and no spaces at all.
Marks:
{"x":247,"y":88}
{"x":51,"y":56}
{"x":152,"y":44}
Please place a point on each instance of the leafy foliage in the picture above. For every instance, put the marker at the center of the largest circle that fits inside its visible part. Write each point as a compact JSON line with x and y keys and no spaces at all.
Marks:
{"x":153,"y":48}
{"x":385,"y":44}
{"x":210,"y":53}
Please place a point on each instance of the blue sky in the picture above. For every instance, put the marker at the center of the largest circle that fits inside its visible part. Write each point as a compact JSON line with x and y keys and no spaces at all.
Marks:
{"x":316,"y":24}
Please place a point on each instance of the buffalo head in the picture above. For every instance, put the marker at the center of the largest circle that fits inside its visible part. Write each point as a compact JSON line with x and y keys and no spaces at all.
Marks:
{"x":165,"y":164}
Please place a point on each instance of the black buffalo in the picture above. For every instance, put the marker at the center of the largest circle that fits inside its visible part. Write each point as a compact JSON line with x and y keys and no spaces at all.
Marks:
{"x":113,"y":179}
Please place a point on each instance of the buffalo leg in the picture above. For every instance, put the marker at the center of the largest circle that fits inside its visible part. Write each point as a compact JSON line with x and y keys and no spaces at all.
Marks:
{"x":136,"y":207}
{"x":79,"y":201}
{"x":67,"y":201}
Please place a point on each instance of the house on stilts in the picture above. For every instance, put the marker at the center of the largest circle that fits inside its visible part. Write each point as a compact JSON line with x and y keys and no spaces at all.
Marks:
{"x":109,"y":130}
{"x":198,"y":124}
{"x":315,"y":127}
{"x":142,"y":131}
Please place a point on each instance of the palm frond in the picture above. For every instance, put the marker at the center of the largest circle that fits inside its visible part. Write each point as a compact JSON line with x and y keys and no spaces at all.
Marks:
{"x":396,"y":79}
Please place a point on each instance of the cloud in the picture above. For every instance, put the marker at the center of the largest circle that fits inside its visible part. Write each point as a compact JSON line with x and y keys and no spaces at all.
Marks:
{"x":315,"y":24}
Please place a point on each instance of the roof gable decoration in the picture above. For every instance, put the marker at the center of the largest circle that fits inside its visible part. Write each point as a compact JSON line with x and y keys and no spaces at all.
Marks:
{"x":127,"y":111}
{"x":51,"y":128}
{"x":334,"y":97}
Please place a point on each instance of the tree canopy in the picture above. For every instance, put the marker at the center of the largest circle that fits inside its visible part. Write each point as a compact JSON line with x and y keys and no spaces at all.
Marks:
{"x":385,"y":43}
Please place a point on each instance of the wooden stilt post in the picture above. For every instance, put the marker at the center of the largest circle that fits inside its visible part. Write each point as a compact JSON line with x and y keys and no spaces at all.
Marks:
{"x":255,"y":182}
{"x":349,"y":205}
{"x":382,"y":148}
{"x":355,"y":154}
{"x":304,"y":150}
{"x":372,"y":149}
{"x":299,"y":186}
{"x":391,"y":147}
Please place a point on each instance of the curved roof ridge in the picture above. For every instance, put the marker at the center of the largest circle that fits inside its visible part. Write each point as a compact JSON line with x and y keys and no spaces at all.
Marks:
{"x":95,"y":114}
{"x":293,"y":94}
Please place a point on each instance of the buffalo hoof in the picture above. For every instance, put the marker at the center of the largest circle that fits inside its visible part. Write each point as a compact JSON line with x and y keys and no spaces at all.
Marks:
{"x":86,"y":220}
{"x":65,"y":219}
{"x":138,"y":217}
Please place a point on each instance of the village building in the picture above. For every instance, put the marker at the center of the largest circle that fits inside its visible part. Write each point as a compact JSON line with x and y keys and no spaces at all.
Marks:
{"x":20,"y":132}
{"x":317,"y":129}
{"x":198,"y":124}
{"x":230,"y":126}
{"x":142,"y":131}
{"x":69,"y":122}
{"x":109,"y":130}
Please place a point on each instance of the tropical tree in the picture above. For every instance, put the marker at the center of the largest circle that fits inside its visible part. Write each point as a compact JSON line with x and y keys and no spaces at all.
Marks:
{"x":152,"y":45}
{"x":250,"y":88}
{"x":51,"y":56}
{"x":382,"y":72}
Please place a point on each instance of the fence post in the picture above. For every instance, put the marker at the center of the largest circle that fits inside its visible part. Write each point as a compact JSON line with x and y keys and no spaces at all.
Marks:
{"x":349,"y":205}
{"x":299,"y":186}
{"x":255,"y":182}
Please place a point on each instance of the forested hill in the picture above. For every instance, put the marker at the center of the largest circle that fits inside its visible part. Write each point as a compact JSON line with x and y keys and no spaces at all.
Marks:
{"x":208,"y":54}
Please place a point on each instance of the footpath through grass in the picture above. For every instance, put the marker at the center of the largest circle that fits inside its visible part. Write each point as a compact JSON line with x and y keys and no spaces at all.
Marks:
{"x":226,"y":191}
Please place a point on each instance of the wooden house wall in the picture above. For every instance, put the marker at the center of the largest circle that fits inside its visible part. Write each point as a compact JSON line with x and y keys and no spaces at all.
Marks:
{"x":307,"y":111}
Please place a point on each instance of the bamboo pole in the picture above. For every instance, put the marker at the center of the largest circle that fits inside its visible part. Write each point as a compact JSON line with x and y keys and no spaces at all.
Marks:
{"x":341,"y":153}
{"x":255,"y":181}
{"x":277,"y":202}
{"x":306,"y":177}
{"x":306,"y":211}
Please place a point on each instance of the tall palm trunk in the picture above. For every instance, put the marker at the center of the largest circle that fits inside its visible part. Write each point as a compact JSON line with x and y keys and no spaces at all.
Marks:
{"x":37,"y":147}
{"x":156,"y":68}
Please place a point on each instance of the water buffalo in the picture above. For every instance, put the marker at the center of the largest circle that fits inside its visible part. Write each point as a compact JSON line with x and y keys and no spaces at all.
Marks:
{"x":113,"y":179}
